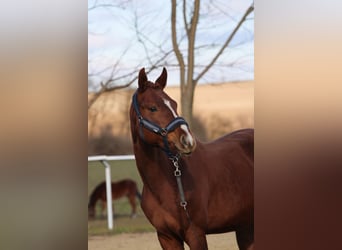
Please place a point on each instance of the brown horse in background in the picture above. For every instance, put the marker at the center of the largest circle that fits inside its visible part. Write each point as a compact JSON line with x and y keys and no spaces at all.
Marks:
{"x":190,"y":188}
{"x":120,"y":189}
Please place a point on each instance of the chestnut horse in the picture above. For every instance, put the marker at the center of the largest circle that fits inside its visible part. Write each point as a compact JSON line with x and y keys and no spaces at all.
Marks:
{"x":190,"y":188}
{"x":120,"y":189}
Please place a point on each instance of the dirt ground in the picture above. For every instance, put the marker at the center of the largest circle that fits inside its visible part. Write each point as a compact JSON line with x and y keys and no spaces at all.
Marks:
{"x":149,"y":241}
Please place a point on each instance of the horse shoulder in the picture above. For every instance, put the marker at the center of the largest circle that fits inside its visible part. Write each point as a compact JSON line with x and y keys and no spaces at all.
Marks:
{"x":162,"y":219}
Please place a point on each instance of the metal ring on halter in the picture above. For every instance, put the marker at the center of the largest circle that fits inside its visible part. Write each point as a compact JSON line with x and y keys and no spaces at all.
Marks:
{"x":183,"y":204}
{"x":177,"y":172}
{"x":163,"y":132}
{"x":175,"y":162}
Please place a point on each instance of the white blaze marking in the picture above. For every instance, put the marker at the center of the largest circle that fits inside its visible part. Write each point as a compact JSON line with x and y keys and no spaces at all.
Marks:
{"x":168,"y":104}
{"x":183,"y":127}
{"x":188,"y":135}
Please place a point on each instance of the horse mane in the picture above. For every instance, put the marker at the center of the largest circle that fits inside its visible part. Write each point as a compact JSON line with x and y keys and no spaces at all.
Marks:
{"x":149,"y":84}
{"x":246,"y":140}
{"x":94,"y":195}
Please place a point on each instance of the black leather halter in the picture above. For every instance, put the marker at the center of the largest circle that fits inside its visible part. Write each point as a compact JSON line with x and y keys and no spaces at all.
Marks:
{"x":163,"y":132}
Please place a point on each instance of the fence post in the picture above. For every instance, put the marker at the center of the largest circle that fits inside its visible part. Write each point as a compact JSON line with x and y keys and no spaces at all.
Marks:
{"x":103,"y":159}
{"x":109,"y":194}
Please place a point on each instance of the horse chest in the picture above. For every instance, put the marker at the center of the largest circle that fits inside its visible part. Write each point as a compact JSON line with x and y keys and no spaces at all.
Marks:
{"x":162,"y":213}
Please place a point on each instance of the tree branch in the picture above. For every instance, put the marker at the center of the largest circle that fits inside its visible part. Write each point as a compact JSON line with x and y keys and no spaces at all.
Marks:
{"x":191,"y":40}
{"x":186,"y":24}
{"x":106,"y":88}
{"x":175,"y":46}
{"x":107,"y":5}
{"x":229,"y":39}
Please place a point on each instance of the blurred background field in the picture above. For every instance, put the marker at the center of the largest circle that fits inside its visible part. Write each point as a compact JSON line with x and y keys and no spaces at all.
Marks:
{"x":122,"y":209}
{"x":218,"y":109}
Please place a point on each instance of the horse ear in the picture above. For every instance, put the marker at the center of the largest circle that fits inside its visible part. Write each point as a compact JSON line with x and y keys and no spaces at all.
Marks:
{"x":162,"y":79}
{"x":142,"y":79}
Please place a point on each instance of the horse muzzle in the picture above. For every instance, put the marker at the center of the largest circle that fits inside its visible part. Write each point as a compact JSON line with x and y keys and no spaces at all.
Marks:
{"x":186,"y":143}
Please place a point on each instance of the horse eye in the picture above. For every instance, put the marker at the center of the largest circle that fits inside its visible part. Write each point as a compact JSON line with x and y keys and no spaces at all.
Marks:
{"x":153,"y":109}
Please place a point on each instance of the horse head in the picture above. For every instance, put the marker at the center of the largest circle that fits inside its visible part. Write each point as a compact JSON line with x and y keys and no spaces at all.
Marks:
{"x":91,"y":212}
{"x":154,"y":118}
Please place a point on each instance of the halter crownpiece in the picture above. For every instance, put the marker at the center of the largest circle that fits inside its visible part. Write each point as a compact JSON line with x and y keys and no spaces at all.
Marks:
{"x":176,"y":122}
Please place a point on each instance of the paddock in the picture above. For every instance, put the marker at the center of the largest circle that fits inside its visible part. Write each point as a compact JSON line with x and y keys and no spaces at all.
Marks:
{"x":109,"y":169}
{"x":149,"y":241}
{"x":143,"y":236}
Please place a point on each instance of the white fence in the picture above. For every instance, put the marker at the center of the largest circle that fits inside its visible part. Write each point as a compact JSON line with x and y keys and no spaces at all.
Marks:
{"x":104,"y":160}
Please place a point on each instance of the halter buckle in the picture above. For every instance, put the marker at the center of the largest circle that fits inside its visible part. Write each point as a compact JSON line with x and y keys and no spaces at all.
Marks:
{"x":177,"y":172}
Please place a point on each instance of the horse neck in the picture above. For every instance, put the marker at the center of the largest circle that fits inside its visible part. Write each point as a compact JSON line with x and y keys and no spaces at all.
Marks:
{"x":93,"y":199}
{"x":153,"y":165}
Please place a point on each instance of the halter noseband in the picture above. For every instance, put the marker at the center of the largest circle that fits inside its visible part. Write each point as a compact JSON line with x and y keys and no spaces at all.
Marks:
{"x":163,"y":132}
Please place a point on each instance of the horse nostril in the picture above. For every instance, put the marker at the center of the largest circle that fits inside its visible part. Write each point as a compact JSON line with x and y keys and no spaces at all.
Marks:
{"x":183,"y":140}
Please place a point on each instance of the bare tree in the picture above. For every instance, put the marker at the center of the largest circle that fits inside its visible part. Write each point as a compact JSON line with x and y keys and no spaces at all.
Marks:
{"x":159,"y":52}
{"x":188,"y":79}
{"x":154,"y":55}
{"x":108,"y":86}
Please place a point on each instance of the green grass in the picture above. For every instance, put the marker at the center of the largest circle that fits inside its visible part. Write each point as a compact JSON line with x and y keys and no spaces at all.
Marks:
{"x":119,"y":170}
{"x":122,"y":210}
{"x":122,"y":224}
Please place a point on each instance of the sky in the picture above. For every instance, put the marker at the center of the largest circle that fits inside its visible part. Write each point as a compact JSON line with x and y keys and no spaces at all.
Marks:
{"x":124,"y":35}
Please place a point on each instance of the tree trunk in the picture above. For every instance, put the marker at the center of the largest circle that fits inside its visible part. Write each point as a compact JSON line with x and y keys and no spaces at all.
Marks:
{"x":187,"y":91}
{"x":187,"y":80}
{"x":187,"y":100}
